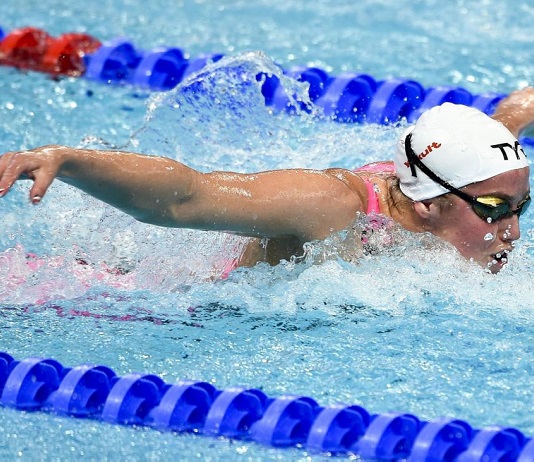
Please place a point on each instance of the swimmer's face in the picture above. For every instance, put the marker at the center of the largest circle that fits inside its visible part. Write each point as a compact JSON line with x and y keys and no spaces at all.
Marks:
{"x":485,"y":243}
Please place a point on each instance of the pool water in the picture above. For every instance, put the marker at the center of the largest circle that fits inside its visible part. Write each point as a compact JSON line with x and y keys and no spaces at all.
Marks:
{"x":405,"y":330}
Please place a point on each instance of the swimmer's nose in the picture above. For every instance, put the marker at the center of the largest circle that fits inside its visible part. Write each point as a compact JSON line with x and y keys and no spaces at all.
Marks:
{"x":509,"y":228}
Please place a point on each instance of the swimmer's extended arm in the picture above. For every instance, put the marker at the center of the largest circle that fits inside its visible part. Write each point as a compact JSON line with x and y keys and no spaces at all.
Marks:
{"x":305,"y":204}
{"x":516,"y":111}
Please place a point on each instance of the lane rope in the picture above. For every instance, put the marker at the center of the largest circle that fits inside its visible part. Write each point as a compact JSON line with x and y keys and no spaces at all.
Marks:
{"x":347,"y":98}
{"x":96,"y":392}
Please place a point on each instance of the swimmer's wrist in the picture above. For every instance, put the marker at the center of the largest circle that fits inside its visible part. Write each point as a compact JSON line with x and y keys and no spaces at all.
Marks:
{"x":67,"y":160}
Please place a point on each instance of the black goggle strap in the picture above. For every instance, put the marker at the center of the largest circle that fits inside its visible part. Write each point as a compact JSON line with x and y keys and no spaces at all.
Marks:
{"x":414,"y":161}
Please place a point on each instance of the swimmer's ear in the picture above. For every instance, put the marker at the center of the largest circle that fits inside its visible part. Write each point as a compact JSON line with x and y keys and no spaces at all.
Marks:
{"x":427,"y":210}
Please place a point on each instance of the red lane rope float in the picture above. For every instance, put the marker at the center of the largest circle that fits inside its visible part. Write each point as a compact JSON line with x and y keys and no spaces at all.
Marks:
{"x":65,"y":55}
{"x":33,"y":49}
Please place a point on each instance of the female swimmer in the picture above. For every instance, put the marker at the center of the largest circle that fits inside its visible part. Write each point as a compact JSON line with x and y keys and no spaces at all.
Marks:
{"x":457,"y":173}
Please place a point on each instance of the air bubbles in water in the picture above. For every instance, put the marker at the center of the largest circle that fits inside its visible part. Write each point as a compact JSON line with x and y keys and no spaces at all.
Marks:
{"x":488,"y":237}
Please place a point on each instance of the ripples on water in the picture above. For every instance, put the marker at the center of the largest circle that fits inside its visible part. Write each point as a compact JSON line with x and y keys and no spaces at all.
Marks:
{"x":405,"y":329}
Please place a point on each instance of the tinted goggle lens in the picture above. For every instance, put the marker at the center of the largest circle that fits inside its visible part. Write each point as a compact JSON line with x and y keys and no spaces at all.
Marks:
{"x":499,"y":211}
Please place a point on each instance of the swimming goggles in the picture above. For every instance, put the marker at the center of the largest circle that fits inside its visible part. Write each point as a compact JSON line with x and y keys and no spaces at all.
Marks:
{"x":489,"y":208}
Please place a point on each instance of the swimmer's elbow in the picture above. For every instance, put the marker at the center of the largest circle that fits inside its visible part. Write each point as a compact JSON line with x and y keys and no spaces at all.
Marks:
{"x":149,"y":219}
{"x":171,"y":217}
{"x":156,"y":218}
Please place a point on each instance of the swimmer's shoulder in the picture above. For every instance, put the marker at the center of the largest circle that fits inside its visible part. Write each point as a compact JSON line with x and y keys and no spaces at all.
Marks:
{"x":357,"y":181}
{"x":352,"y":188}
{"x":348,"y":177}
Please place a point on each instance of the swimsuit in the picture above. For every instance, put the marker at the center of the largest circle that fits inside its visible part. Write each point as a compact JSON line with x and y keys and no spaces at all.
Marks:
{"x":373,"y":204}
{"x":375,"y":220}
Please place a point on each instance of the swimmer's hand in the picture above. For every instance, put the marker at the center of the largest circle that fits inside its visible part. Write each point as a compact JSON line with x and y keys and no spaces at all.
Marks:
{"x":516,"y":111}
{"x":41,"y":165}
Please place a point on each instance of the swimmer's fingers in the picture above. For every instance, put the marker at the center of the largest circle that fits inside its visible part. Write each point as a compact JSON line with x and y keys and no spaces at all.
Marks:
{"x":30,"y":165}
{"x":41,"y":183}
{"x":6,"y":172}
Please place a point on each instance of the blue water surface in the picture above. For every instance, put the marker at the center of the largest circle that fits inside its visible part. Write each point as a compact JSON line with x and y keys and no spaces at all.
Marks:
{"x":406,"y":330}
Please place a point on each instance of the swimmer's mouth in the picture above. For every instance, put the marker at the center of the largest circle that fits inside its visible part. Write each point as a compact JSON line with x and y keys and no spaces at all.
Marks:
{"x":500,"y":258}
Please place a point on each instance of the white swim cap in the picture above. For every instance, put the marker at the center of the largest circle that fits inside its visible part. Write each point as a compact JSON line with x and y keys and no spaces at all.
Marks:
{"x":461,"y":145}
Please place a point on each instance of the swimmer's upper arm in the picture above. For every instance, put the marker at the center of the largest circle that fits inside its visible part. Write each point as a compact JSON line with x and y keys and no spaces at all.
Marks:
{"x":306,"y":204}
{"x":516,"y":111}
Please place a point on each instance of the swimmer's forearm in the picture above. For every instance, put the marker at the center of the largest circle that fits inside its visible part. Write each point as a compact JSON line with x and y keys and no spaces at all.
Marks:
{"x":148,"y":188}
{"x":513,"y":123}
{"x":145,"y":187}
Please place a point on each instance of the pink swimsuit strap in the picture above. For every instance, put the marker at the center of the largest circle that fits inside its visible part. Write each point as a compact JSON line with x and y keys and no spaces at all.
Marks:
{"x":378,"y":167}
{"x":373,"y":204}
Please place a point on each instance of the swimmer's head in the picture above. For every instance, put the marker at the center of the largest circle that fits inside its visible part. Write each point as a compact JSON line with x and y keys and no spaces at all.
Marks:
{"x":460,"y":145}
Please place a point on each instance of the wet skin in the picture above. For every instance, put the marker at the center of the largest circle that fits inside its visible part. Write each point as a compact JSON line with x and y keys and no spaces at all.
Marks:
{"x":476,"y":239}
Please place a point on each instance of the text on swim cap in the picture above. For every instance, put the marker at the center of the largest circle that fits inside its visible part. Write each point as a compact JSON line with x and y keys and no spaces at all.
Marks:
{"x":426,"y":152}
{"x":516,"y":148}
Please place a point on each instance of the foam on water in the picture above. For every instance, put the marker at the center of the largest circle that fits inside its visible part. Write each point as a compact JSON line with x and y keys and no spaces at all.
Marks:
{"x":218,"y":115}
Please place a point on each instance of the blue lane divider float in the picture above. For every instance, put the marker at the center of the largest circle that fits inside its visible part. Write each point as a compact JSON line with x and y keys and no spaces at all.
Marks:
{"x":159,"y":69}
{"x":349,"y":97}
{"x":96,"y":392}
{"x":346,"y":98}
